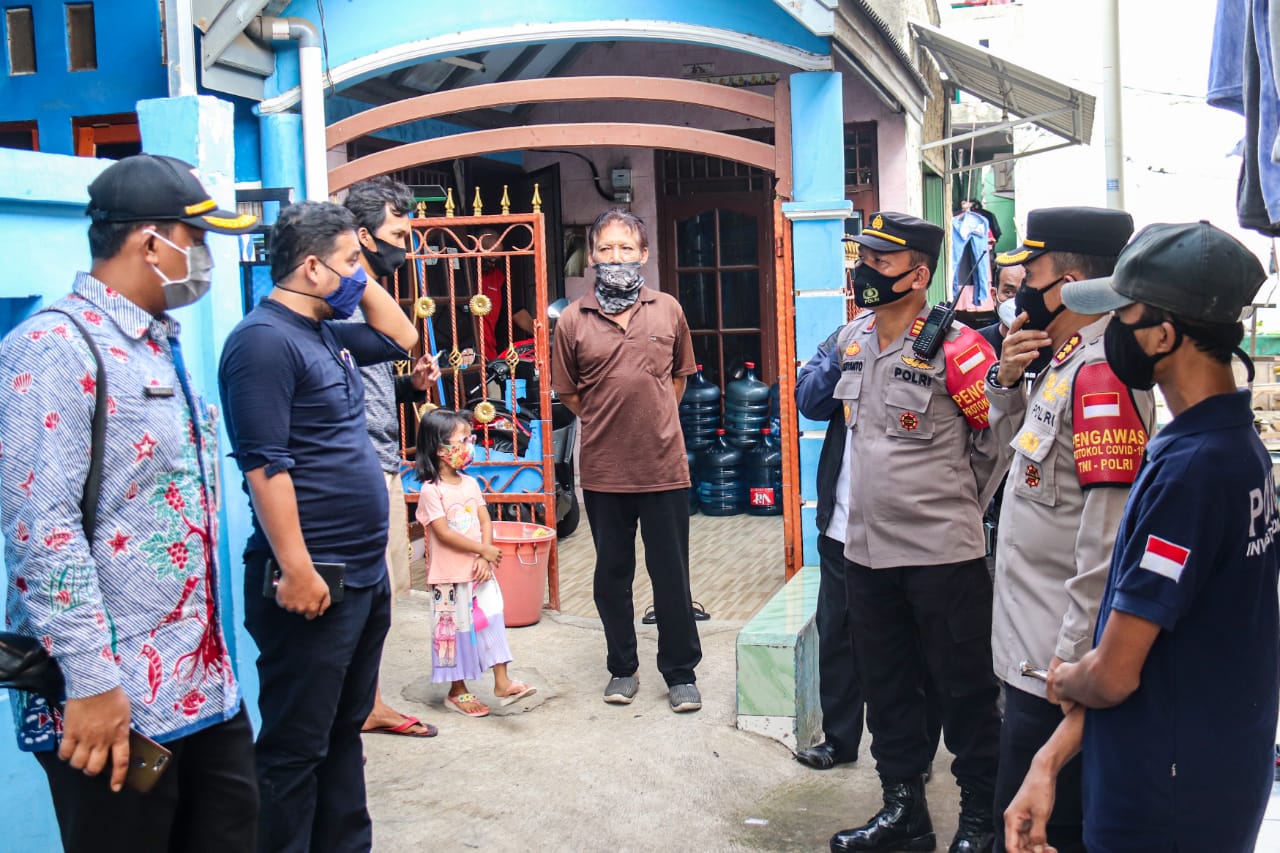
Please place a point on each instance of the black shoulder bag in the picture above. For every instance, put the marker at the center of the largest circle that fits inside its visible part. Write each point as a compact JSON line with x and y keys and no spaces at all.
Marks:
{"x":24,"y":662}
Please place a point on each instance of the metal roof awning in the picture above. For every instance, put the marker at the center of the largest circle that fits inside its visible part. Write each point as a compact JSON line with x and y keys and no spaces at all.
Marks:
{"x":1031,"y":97}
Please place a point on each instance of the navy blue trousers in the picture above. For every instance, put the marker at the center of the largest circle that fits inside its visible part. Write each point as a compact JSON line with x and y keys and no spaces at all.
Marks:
{"x":838,"y":689}
{"x":317,"y":680}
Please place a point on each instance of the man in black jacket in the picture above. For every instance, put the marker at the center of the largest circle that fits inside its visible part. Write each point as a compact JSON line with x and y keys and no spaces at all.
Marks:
{"x":841,"y":697}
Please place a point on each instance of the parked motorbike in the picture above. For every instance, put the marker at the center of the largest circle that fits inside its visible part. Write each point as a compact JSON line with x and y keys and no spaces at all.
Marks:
{"x":510,"y":431}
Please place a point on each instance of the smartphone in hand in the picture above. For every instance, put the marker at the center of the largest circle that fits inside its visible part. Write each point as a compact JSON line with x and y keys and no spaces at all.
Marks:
{"x":147,"y":762}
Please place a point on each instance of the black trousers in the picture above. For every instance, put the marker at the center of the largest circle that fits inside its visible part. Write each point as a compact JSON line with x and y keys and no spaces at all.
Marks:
{"x":317,"y":681}
{"x":1029,"y":721}
{"x":838,"y":689}
{"x":663,"y":518}
{"x":206,"y":801}
{"x":917,"y":623}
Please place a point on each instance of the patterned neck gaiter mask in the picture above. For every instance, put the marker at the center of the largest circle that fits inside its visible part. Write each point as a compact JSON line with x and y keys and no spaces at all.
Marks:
{"x":618,"y":286}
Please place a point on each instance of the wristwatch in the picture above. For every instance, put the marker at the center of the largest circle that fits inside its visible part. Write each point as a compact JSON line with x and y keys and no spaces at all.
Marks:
{"x":992,"y":382}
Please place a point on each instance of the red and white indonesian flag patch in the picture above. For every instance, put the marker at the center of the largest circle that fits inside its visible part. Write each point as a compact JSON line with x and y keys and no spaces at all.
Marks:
{"x":1164,"y":558}
{"x":970,"y":358}
{"x":1101,"y":405}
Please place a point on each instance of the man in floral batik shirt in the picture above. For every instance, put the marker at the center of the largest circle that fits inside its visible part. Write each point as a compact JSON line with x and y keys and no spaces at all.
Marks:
{"x":131,"y":616}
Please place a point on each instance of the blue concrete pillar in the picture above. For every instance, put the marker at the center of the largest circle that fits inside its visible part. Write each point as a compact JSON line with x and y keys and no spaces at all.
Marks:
{"x":817,"y":216}
{"x":200,"y":130}
{"x":281,"y":135}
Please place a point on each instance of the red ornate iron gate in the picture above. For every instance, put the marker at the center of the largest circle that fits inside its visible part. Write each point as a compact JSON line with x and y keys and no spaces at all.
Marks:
{"x":448,"y":260}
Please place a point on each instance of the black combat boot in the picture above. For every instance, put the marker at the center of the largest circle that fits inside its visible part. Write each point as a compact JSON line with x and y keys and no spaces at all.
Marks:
{"x":976,"y":831}
{"x":903,"y":823}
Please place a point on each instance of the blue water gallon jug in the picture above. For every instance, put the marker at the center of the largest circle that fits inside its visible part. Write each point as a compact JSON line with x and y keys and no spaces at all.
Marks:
{"x":699,"y":412}
{"x":746,"y":409}
{"x":763,"y":475}
{"x":692,"y":456}
{"x":720,"y":484}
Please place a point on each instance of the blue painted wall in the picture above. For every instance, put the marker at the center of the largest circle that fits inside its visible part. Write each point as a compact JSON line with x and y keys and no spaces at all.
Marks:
{"x":129,"y":68}
{"x":351,"y":36}
{"x":42,"y":221}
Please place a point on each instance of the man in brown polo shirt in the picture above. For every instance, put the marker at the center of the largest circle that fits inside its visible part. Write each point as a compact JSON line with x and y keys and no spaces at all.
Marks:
{"x":622,"y":356}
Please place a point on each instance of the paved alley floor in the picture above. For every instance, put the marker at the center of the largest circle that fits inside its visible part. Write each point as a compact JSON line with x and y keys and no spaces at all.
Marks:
{"x":565,"y":771}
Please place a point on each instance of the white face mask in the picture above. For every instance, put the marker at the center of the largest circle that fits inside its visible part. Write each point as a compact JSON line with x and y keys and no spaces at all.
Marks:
{"x":1008,"y":312}
{"x":184,"y":291}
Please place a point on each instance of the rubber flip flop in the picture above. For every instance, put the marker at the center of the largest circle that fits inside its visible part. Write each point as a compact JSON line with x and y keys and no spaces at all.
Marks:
{"x":700,"y":613}
{"x":455,"y":703}
{"x":649,"y":617}
{"x":403,"y":729}
{"x":525,"y":692}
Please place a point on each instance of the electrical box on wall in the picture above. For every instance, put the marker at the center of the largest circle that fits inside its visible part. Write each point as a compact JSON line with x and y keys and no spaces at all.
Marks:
{"x":621,"y":179}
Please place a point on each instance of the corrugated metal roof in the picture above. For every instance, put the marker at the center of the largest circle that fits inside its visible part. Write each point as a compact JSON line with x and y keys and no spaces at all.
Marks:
{"x":1021,"y":92}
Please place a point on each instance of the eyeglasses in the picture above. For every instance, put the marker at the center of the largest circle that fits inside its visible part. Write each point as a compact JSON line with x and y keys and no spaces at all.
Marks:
{"x":469,"y":440}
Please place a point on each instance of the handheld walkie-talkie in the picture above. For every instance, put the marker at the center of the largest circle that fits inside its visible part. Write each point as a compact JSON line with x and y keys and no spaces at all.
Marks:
{"x":939,"y":321}
{"x":936,"y":326}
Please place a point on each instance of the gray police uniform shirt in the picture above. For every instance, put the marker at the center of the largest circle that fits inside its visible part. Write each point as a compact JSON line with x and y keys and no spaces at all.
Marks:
{"x":1080,"y":436}
{"x":923,"y":461}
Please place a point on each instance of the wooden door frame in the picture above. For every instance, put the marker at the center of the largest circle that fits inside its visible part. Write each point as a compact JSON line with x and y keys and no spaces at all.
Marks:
{"x":758,"y":204}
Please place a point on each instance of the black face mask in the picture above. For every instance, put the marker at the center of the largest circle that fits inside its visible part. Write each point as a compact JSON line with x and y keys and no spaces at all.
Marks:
{"x":1125,"y":355}
{"x":873,"y":289}
{"x":386,"y":260}
{"x":1031,"y":301}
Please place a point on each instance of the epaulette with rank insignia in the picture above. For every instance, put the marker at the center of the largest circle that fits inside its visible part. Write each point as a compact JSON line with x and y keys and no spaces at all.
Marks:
{"x":1066,"y":349}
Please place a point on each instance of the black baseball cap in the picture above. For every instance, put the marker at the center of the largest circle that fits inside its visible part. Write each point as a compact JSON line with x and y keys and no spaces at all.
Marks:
{"x":1082,"y":230}
{"x":1193,"y":270}
{"x":151,"y":187}
{"x":897,"y":232}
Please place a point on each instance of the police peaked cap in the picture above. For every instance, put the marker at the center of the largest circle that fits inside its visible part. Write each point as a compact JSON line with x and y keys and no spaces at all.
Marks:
{"x":897,"y":232}
{"x":1096,"y":231}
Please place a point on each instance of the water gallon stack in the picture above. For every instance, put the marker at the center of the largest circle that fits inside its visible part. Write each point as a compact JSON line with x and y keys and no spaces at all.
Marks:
{"x":719,"y":477}
{"x":763,"y":476}
{"x":699,"y":419}
{"x":746,"y":409}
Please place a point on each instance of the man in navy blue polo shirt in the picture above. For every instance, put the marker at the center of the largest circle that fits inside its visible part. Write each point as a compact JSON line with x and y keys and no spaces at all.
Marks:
{"x":1181,"y":687}
{"x":294,"y":403}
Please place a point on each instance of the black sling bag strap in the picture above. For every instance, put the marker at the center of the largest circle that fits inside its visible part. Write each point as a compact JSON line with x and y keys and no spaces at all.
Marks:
{"x":98,"y":431}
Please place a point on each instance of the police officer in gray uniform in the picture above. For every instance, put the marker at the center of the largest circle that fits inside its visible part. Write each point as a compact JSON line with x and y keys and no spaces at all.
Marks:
{"x":923,"y":464}
{"x":1080,"y":436}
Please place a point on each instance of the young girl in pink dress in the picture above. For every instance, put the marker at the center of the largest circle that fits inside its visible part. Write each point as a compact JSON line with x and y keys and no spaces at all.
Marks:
{"x":467,"y":638}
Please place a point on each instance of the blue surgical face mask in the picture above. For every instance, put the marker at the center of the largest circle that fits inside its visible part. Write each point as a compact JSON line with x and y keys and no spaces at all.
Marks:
{"x":350,"y":290}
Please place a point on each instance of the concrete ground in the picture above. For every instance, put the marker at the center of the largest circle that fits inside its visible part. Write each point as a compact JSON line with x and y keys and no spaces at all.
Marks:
{"x":565,"y":771}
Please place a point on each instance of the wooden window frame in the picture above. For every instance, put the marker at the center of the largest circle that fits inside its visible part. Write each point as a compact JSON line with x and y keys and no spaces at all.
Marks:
{"x":92,"y":131}
{"x":30,"y":127}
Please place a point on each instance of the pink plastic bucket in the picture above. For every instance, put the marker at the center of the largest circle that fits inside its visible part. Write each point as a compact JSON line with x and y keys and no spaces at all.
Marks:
{"x":522,"y":574}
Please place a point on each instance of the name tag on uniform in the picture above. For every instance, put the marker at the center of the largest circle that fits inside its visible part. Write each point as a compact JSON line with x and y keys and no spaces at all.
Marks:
{"x":158,"y":391}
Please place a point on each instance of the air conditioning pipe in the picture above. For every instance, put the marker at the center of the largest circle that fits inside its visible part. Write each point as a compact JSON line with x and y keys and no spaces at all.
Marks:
{"x":315,"y":167}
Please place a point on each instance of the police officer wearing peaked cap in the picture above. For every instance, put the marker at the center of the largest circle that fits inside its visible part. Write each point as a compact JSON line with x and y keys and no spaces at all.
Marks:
{"x":922,"y":465}
{"x":1067,"y":486}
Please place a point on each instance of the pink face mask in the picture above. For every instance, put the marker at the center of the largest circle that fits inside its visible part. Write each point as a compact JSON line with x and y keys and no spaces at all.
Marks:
{"x":457,"y":456}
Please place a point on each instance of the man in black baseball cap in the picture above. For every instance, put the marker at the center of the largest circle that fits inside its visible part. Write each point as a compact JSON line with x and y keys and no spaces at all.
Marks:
{"x":129,"y":604}
{"x":155,"y":188}
{"x":1189,"y":619}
